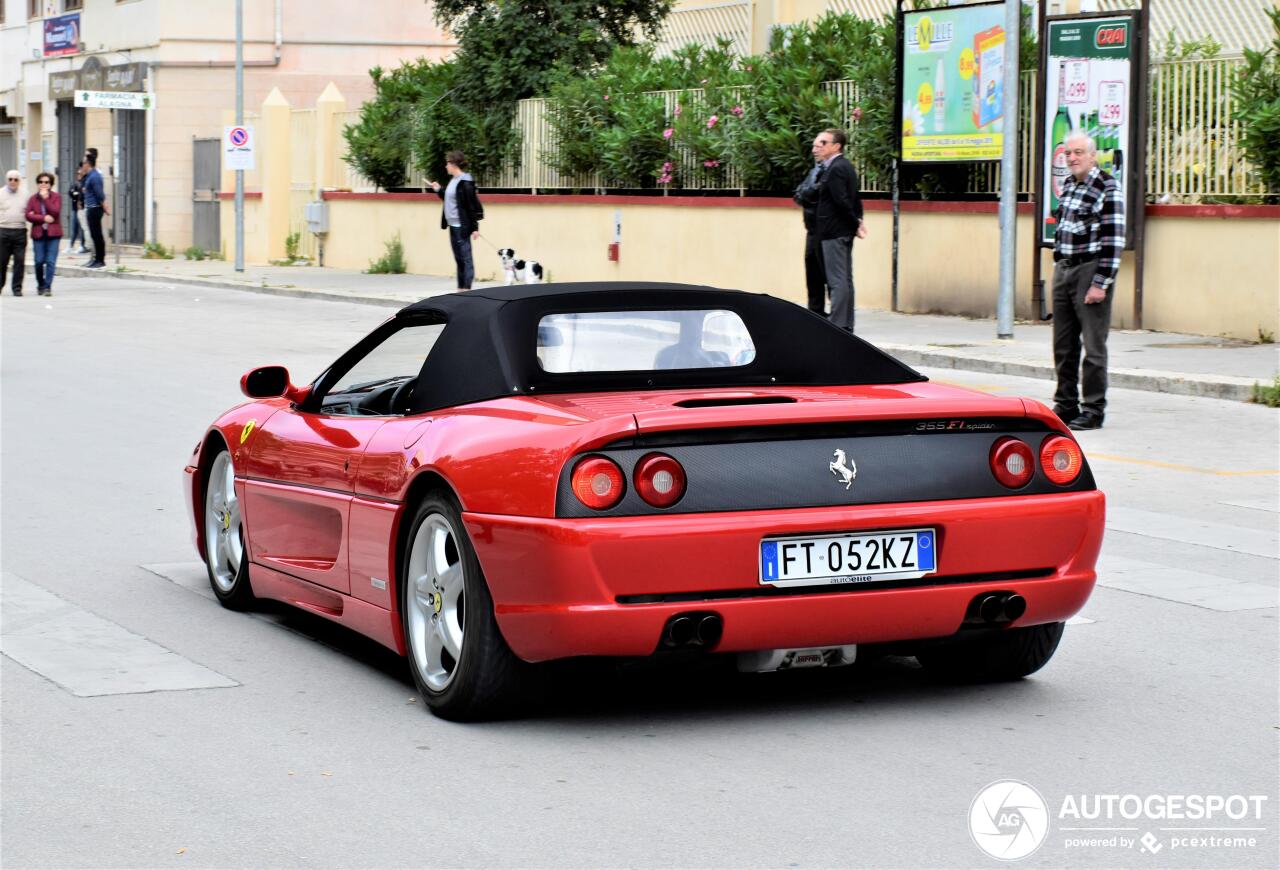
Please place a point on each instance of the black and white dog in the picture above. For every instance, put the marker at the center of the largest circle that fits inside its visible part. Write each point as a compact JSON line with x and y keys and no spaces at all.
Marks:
{"x":519,"y":271}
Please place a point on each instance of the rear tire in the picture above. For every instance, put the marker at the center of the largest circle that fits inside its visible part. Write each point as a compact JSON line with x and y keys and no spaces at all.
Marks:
{"x":1009,"y":655}
{"x":224,"y":551}
{"x":460,"y":663}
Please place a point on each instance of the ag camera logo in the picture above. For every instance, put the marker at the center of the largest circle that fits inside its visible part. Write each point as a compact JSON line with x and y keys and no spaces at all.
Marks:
{"x":1008,"y":820}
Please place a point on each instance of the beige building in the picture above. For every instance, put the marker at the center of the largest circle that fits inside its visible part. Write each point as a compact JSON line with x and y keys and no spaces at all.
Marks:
{"x":184,"y":54}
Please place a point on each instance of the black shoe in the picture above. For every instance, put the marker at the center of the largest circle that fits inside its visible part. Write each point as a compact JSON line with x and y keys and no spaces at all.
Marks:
{"x":17,"y":292}
{"x":1086,"y":421}
{"x":96,"y":266}
{"x":1066,"y":413}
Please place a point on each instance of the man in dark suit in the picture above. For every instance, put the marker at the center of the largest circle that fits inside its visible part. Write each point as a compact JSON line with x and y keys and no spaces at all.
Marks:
{"x":838,"y":220}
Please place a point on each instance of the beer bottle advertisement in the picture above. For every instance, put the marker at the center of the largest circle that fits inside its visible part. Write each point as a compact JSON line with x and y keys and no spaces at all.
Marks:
{"x":1087,"y":89}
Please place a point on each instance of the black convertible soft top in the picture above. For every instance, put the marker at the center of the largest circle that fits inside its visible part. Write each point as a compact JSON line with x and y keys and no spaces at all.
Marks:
{"x":489,"y":347}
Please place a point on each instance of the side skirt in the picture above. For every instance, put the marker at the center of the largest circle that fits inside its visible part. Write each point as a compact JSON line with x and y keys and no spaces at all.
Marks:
{"x":368,"y":619}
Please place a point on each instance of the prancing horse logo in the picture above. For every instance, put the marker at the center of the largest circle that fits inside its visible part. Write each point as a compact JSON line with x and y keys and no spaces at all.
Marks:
{"x":844,"y":468}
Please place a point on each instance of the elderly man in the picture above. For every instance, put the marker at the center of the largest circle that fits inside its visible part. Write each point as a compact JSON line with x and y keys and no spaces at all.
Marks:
{"x":1086,"y":250}
{"x":837,"y":220}
{"x":13,"y":229}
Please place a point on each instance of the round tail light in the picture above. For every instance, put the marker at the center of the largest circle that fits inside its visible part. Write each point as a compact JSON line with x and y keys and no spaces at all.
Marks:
{"x":659,"y":479}
{"x":1060,"y":459}
{"x":597,"y":482}
{"x":1012,"y":462}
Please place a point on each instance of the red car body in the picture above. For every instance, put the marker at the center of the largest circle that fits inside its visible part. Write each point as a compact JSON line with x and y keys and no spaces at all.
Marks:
{"x":324,"y":499}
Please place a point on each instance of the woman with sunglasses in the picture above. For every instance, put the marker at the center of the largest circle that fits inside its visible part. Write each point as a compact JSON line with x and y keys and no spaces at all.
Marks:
{"x":44,"y":212}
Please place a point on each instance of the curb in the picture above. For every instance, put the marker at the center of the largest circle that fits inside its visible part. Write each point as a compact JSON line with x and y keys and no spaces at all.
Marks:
{"x":222,"y":284}
{"x":1175,"y":383}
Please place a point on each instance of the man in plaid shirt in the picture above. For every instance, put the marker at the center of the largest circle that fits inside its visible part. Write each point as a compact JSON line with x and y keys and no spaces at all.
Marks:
{"x":1086,"y":249}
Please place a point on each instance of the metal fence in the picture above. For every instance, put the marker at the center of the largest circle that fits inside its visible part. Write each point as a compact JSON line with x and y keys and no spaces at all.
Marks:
{"x":1193,"y":146}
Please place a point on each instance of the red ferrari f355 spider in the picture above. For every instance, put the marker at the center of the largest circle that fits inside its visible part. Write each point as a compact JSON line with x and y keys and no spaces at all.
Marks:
{"x":499,"y":478}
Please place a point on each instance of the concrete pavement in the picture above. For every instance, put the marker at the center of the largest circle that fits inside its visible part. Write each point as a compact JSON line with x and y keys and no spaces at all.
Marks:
{"x":1157,"y":361}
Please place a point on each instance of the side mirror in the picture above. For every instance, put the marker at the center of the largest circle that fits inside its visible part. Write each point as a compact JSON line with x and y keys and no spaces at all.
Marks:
{"x":269,"y":382}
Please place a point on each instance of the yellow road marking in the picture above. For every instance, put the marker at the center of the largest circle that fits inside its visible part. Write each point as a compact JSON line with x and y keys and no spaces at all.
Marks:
{"x":1175,"y":467}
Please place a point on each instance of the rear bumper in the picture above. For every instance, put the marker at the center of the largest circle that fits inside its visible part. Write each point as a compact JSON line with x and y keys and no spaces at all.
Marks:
{"x":556,"y":583}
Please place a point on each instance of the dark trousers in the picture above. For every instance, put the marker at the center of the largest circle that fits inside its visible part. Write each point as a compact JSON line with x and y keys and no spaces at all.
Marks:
{"x":837,"y":260}
{"x":1076,"y":324}
{"x":460,"y":241}
{"x":77,"y":231}
{"x":815,"y":274}
{"x":13,"y":243}
{"x":95,"y":230}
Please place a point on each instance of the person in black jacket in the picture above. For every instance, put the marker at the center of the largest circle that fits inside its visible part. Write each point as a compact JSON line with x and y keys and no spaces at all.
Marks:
{"x":838,"y":219}
{"x":815,"y":274}
{"x":461,"y":214}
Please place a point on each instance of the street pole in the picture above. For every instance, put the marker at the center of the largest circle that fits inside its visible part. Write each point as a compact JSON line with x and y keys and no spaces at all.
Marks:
{"x":239,"y":123}
{"x":115,"y":186}
{"x":1009,"y":171}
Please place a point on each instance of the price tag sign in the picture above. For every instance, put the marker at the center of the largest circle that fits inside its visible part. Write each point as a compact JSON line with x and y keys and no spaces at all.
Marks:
{"x":1111,"y":103}
{"x":1077,"y":81}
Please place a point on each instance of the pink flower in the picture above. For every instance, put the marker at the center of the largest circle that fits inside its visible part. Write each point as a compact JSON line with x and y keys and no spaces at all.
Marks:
{"x":711,"y":122}
{"x":748,"y":67}
{"x":606,"y":96}
{"x":668,"y":133}
{"x":665,"y":178}
{"x":711,"y":164}
{"x":737,"y":110}
{"x":666,"y":167}
{"x":678,"y":110}
{"x":857,"y":113}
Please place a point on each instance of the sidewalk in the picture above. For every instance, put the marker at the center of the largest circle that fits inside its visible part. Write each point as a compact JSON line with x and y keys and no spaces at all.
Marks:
{"x":1158,"y":361}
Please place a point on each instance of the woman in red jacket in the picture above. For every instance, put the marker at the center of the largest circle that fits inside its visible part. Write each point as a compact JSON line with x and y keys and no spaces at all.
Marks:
{"x":44,"y":212}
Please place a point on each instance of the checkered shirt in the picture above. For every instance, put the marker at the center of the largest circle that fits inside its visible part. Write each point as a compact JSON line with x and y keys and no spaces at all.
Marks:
{"x":1090,"y":220}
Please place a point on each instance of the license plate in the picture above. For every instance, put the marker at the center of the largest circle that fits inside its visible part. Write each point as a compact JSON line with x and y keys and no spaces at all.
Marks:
{"x":901,"y":554}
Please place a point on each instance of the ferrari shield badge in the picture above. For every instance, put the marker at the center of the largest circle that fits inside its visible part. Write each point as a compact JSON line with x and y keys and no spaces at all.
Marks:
{"x":844,"y":468}
{"x":247,"y":430}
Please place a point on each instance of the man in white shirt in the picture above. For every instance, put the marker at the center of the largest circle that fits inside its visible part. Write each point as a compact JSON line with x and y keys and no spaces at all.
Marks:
{"x":13,"y":229}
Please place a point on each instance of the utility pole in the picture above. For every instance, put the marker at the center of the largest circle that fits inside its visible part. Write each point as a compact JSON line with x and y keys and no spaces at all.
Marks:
{"x":1009,"y":171}
{"x":239,"y":123}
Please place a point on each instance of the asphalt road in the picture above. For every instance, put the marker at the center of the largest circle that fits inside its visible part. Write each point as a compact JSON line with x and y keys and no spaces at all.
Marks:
{"x":279,"y":740}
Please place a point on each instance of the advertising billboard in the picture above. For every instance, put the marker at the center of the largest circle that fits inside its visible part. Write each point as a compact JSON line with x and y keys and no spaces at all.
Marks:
{"x":952,"y":83}
{"x":62,"y":35}
{"x":1088,"y":87}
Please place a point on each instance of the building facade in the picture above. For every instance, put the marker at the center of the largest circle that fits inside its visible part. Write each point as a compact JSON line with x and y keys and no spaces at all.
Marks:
{"x":157,"y":160}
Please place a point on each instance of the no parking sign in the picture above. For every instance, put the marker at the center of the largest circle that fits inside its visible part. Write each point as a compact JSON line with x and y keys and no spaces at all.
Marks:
{"x":237,"y":147}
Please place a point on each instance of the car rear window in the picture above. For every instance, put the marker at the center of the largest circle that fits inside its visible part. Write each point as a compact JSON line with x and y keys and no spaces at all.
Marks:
{"x":619,"y":341}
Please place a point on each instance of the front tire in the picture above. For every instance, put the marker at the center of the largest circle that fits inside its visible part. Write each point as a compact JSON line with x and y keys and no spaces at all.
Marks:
{"x":1009,"y":655}
{"x":224,"y":554}
{"x":460,"y":663}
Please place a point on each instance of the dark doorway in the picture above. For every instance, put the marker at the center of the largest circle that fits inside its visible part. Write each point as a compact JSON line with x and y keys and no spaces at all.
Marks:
{"x":132,"y":176}
{"x":70,"y":152}
{"x":206,"y":213}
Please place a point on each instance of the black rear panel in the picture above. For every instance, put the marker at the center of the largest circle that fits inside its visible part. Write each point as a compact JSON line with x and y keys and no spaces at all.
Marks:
{"x":763,"y":468}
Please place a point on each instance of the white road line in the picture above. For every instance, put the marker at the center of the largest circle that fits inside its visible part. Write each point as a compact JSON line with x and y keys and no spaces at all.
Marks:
{"x":1271,"y":505}
{"x":86,"y":654}
{"x":1169,"y":527}
{"x":1184,"y":587}
{"x":192,"y":576}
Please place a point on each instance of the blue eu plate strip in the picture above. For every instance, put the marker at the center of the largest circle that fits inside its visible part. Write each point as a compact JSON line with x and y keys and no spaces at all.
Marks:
{"x":769,"y":560}
{"x":925,"y":551}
